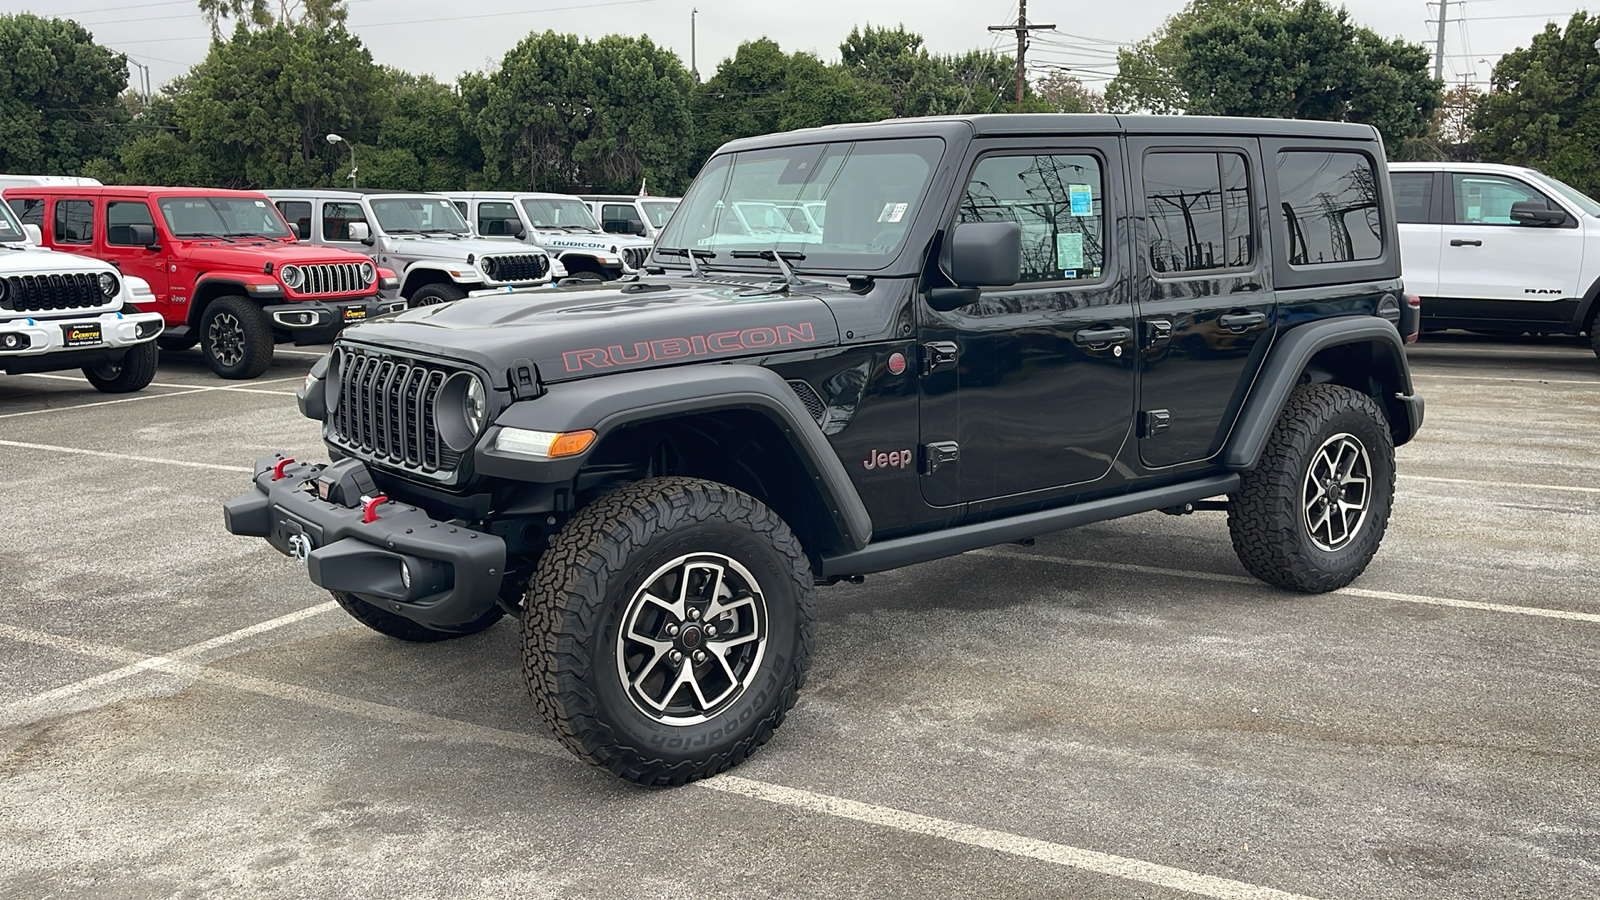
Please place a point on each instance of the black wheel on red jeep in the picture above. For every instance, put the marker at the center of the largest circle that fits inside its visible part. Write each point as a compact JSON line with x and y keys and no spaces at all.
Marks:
{"x":236,"y":338}
{"x":1312,"y":513}
{"x":402,"y":628}
{"x":668,"y":629}
{"x":435,"y":294}
{"x":133,"y":372}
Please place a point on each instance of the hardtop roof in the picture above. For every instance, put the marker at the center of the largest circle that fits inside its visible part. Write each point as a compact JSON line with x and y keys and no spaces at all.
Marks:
{"x":135,"y":191}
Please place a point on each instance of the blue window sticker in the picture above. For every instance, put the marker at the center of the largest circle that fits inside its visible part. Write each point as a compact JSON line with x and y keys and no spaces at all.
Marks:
{"x":1081,"y":197}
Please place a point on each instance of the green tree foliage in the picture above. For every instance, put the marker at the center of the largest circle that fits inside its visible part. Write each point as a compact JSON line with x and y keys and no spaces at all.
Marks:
{"x":265,"y":13}
{"x":760,"y":90}
{"x":1066,"y":94}
{"x":425,"y":143}
{"x":1543,"y":108}
{"x":904,"y":77}
{"x":1147,"y":78}
{"x":59,"y":105}
{"x":1307,"y":61}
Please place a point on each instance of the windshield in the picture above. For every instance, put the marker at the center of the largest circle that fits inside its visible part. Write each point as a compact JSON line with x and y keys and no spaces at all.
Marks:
{"x":658,"y":211}
{"x":546,"y":212}
{"x":1583,"y":201}
{"x":871,"y":191}
{"x":418,"y":215}
{"x":10,"y":230}
{"x":222,"y":217}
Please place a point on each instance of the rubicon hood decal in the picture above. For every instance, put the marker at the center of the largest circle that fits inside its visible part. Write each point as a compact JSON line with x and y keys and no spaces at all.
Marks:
{"x":679,"y":348}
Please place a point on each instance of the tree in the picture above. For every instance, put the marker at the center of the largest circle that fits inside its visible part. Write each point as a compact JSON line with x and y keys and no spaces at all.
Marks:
{"x":315,"y":13}
{"x":904,"y":77}
{"x":425,"y":143}
{"x":1543,"y":108}
{"x":59,"y":104}
{"x":1067,"y":94}
{"x":760,"y":90}
{"x":1146,"y":70}
{"x":1307,"y":62}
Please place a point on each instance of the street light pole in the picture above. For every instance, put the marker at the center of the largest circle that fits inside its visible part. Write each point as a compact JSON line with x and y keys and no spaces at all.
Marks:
{"x":336,"y":139}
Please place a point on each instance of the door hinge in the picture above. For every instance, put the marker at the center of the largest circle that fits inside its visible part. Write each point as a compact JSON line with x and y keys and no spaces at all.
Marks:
{"x":1154,"y":421}
{"x":937,"y":356}
{"x":938,"y":454}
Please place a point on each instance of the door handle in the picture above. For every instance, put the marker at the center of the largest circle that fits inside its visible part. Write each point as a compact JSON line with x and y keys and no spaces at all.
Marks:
{"x":1458,"y":242}
{"x":1113,"y":335}
{"x":1242,"y":321}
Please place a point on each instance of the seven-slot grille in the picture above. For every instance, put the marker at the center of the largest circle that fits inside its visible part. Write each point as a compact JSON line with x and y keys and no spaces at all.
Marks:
{"x":42,"y":293}
{"x":635,"y":256}
{"x":331,"y":278}
{"x":522,"y":267}
{"x":385,"y":411}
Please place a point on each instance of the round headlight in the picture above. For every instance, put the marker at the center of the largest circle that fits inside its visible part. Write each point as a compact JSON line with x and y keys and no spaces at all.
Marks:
{"x":460,"y":411}
{"x":2,"y":289}
{"x":292,"y":276}
{"x":108,"y":284}
{"x":369,"y":273}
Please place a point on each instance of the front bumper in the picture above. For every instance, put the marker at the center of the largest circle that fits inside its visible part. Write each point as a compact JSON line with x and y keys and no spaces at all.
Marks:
{"x":455,"y":573}
{"x":103,"y":331}
{"x":320,"y":321}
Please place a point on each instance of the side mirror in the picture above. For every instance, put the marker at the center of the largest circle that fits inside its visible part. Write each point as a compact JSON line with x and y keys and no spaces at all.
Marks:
{"x":142,"y":235}
{"x":1537,"y":214}
{"x":513,"y":227}
{"x":360,"y":231}
{"x":981,"y":254}
{"x":636,"y":227}
{"x":34,"y":235}
{"x":302,"y":231}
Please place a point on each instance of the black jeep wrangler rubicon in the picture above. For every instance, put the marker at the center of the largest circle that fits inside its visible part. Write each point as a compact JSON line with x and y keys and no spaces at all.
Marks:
{"x":857,"y":348}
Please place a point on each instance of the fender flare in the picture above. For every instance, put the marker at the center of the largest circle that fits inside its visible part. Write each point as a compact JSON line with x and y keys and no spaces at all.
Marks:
{"x":1288,"y":360}
{"x":614,"y":401}
{"x":1581,"y":319}
{"x":232,"y":282}
{"x":428,"y":265}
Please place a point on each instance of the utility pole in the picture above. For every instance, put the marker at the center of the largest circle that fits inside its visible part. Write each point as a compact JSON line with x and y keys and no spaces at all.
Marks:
{"x":1022,"y":28}
{"x":1438,"y":47}
{"x":694,"y":69}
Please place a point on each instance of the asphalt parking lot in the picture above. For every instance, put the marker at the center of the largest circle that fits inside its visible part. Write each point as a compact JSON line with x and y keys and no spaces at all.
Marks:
{"x":1117,"y":711}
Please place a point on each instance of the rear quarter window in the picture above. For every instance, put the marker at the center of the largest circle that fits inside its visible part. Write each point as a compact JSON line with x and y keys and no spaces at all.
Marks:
{"x":1413,"y":197}
{"x":1330,"y":206}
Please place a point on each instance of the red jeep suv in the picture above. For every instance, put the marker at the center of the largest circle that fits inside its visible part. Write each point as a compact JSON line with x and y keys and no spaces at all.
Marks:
{"x":226,"y":271}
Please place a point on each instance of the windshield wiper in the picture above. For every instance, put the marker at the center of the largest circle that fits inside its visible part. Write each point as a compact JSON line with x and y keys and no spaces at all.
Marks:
{"x":204,"y":234}
{"x":691,"y":255}
{"x":402,"y":231}
{"x":249,"y":234}
{"x":775,"y":256}
{"x":443,"y":231}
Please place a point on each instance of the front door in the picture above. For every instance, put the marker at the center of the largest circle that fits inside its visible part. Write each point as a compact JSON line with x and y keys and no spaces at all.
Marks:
{"x":1488,"y":256}
{"x":131,"y":257}
{"x":1209,"y":303}
{"x":1033,"y":387}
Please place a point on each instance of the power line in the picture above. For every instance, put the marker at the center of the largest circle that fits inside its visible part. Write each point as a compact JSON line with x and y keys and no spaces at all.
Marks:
{"x":1022,"y":28}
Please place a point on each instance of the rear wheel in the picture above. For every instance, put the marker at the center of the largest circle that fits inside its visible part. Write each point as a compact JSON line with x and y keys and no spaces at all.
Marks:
{"x":435,"y":294}
{"x":236,"y":338}
{"x":403,"y":629}
{"x":133,"y":372}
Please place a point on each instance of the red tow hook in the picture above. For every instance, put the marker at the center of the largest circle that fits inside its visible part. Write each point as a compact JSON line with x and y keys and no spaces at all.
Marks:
{"x":277,"y":470}
{"x":369,"y":508}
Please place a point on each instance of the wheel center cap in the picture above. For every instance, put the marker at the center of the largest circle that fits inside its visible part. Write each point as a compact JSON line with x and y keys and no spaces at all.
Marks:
{"x":690,"y":637}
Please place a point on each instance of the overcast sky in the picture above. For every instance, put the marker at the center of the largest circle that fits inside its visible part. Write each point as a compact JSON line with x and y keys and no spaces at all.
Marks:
{"x":447,"y":37}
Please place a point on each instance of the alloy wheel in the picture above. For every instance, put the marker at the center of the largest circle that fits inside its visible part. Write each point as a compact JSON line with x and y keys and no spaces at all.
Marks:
{"x":1337,"y":492}
{"x":226,"y":335}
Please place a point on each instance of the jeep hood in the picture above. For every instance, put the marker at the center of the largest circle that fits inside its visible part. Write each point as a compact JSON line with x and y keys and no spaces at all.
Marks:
{"x":36,"y":260}
{"x":577,"y":333}
{"x":552,"y":239}
{"x":453,"y":249}
{"x":255,"y":254}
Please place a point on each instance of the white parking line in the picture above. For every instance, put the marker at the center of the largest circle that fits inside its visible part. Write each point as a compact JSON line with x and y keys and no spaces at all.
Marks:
{"x":126,"y":456}
{"x":1062,"y":855}
{"x":1425,"y":374}
{"x":1532,"y":611}
{"x":136,"y":399}
{"x":1513,"y":485}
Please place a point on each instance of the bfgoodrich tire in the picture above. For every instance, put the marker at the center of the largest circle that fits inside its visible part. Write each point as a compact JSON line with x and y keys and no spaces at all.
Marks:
{"x":1311,"y":515}
{"x":402,"y":628}
{"x":236,"y":338}
{"x":133,"y":372}
{"x":668,"y":629}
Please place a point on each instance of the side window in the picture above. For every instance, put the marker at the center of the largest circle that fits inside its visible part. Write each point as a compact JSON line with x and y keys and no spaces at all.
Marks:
{"x":120,"y":214}
{"x":74,"y":221}
{"x":30,"y":210}
{"x":1058,"y":200}
{"x":1330,"y":206}
{"x":492,"y":219}
{"x":336,"y":219}
{"x":298,"y":214}
{"x":615,"y":218}
{"x":1198,"y":207}
{"x":1413,"y":197}
{"x":1487,"y":199}
{"x":461,"y":207}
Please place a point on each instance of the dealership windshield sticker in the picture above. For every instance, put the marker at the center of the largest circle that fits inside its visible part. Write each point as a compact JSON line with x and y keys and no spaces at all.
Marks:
{"x":893,"y":212}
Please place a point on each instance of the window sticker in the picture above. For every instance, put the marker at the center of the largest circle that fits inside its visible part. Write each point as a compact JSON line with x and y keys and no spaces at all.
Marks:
{"x":893,"y":212}
{"x":1069,"y":251}
{"x":1081,"y":198}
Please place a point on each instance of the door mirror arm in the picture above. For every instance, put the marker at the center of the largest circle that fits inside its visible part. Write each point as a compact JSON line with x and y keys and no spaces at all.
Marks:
{"x":950,"y":299}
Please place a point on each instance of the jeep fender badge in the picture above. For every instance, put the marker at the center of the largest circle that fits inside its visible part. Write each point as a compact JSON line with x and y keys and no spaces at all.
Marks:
{"x":897,"y":363}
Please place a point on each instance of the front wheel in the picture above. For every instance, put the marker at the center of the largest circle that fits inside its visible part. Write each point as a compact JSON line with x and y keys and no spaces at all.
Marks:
{"x":1310,"y":516}
{"x":668,"y":629}
{"x":236,"y":338}
{"x":435,"y":294}
{"x":133,"y":372}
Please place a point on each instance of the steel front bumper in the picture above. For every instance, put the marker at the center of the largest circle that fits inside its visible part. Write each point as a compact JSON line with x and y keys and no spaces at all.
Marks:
{"x":320,"y":321}
{"x":103,"y":331}
{"x":454,"y":572}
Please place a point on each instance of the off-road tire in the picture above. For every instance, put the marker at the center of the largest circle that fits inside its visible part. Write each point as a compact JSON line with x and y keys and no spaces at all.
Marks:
{"x":133,"y":372}
{"x":244,"y":354}
{"x":592,"y":571}
{"x":176,"y":343}
{"x":1267,"y":517}
{"x":435,"y":294}
{"x":401,"y":628}
{"x":1594,"y":337}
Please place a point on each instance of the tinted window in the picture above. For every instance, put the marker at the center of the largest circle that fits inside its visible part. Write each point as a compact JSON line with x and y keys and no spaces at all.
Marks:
{"x":120,"y":214}
{"x":336,"y":219}
{"x":1487,"y":199}
{"x":616,"y":217}
{"x":498,"y":219}
{"x":1330,"y":207}
{"x":298,"y":214}
{"x":1059,"y":203}
{"x":1198,"y":207}
{"x":1413,"y":196}
{"x":29,"y":210}
{"x":74,"y":221}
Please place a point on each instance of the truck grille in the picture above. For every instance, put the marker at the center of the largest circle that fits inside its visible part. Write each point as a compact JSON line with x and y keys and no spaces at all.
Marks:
{"x":635,"y":256}
{"x":42,"y":293}
{"x":332,"y":278}
{"x":522,"y":267}
{"x":385,"y":411}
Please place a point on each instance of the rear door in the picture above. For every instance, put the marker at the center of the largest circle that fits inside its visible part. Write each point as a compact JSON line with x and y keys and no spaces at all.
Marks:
{"x":1418,"y":210}
{"x":1033,"y":387}
{"x":1487,"y":256}
{"x":1208,"y":309}
{"x":131,"y":257}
